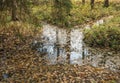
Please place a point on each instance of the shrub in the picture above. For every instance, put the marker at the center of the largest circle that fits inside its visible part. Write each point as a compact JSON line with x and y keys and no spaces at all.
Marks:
{"x":103,"y":36}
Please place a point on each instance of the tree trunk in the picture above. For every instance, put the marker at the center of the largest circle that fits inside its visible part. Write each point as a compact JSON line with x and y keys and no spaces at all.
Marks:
{"x":83,"y":2}
{"x":68,"y":46}
{"x":14,"y":10}
{"x":106,"y":3}
{"x":92,"y":4}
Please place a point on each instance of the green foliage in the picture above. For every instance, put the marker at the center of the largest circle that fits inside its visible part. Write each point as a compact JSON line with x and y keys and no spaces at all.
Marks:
{"x":16,"y":10}
{"x":82,"y":14}
{"x":106,"y":36}
{"x":60,"y":11}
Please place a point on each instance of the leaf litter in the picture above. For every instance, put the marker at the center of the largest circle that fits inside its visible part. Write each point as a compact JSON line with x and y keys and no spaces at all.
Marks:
{"x":20,"y":64}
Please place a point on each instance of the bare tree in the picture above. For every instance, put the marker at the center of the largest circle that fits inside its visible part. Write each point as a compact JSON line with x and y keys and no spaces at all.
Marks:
{"x":17,"y":8}
{"x":14,"y":9}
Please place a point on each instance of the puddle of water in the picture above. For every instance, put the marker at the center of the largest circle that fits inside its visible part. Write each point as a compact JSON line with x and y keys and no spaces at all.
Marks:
{"x":55,"y":41}
{"x":52,"y":35}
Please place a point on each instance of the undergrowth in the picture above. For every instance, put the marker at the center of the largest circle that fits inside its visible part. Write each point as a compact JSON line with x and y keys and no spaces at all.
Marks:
{"x":104,"y":36}
{"x":79,"y":14}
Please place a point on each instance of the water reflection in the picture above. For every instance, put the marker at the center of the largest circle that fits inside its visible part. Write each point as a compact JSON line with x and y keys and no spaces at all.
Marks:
{"x":55,"y":41}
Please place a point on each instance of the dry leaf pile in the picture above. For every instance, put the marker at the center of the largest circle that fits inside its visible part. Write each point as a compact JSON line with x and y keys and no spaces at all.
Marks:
{"x":20,"y":64}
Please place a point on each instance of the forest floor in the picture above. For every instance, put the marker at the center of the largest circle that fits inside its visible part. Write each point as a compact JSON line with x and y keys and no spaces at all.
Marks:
{"x":20,"y":64}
